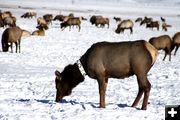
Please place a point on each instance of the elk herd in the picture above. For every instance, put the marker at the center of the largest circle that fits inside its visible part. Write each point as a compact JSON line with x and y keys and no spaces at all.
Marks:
{"x":163,"y":42}
{"x":129,"y":58}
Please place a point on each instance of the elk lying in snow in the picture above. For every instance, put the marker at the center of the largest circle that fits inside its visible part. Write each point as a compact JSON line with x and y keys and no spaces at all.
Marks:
{"x":163,"y":42}
{"x":75,"y":21}
{"x":125,"y":24}
{"x":128,"y":58}
{"x":176,"y":42}
{"x":11,"y":35}
{"x":40,"y":31}
{"x":25,"y":33}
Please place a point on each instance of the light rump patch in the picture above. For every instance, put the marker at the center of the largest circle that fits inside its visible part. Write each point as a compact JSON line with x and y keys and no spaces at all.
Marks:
{"x":152,"y":50}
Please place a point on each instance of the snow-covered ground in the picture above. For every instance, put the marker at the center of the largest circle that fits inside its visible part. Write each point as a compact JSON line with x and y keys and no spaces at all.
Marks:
{"x":27,"y":88}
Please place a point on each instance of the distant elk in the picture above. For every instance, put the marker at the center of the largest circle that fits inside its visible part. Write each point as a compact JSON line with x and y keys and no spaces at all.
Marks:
{"x":40,"y":31}
{"x":99,"y":21}
{"x":146,"y":20}
{"x":41,"y":21}
{"x":29,"y":15}
{"x":102,"y":22}
{"x":63,"y":18}
{"x":117,"y":19}
{"x":139,"y":19}
{"x":9,"y":21}
{"x":165,"y":26}
{"x":48,"y":18}
{"x":128,"y":58}
{"x":176,"y":42}
{"x":11,"y":35}
{"x":153,"y":24}
{"x":125,"y":24}
{"x":162,"y":42}
{"x":75,"y":21}
{"x":93,"y":18}
{"x":163,"y":19}
{"x":6,"y":19}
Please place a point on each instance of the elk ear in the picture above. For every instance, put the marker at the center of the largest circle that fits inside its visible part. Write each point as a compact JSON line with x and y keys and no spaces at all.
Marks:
{"x":58,"y":75}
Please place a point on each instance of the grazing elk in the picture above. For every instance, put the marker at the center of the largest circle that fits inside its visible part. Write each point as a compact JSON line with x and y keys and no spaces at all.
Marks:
{"x":11,"y":35}
{"x":101,"y":21}
{"x":93,"y":19}
{"x":162,"y":42}
{"x":176,"y":42}
{"x":153,"y":24}
{"x":29,"y":15}
{"x":75,"y":21}
{"x":128,"y":58}
{"x":125,"y":24}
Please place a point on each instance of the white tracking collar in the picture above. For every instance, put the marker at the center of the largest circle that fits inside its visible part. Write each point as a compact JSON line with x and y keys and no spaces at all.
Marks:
{"x":81,"y":68}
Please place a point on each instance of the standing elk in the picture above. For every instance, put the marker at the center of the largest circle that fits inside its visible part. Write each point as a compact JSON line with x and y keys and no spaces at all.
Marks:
{"x":162,"y":42}
{"x":176,"y":42}
{"x":11,"y":35}
{"x":153,"y":24}
{"x":75,"y":21}
{"x":125,"y":24}
{"x":102,"y":21}
{"x":128,"y":58}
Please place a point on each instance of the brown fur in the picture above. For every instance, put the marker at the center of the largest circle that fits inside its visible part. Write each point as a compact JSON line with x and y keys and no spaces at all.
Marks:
{"x":102,"y":21}
{"x":48,"y":18}
{"x":71,"y":22}
{"x":125,"y":24}
{"x":29,"y":15}
{"x":163,"y":42}
{"x":128,"y":58}
{"x":153,"y":24}
{"x":176,"y":42}
{"x":165,"y":26}
{"x":11,"y":35}
{"x":93,"y":19}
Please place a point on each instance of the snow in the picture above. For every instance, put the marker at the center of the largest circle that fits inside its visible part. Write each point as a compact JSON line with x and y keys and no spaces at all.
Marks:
{"x":27,"y":88}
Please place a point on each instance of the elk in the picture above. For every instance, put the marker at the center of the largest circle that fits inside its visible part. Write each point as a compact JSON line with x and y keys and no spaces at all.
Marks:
{"x":125,"y":24}
{"x":153,"y":24}
{"x":11,"y":35}
{"x":162,"y":42}
{"x":128,"y":58}
{"x":75,"y":21}
{"x":176,"y":42}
